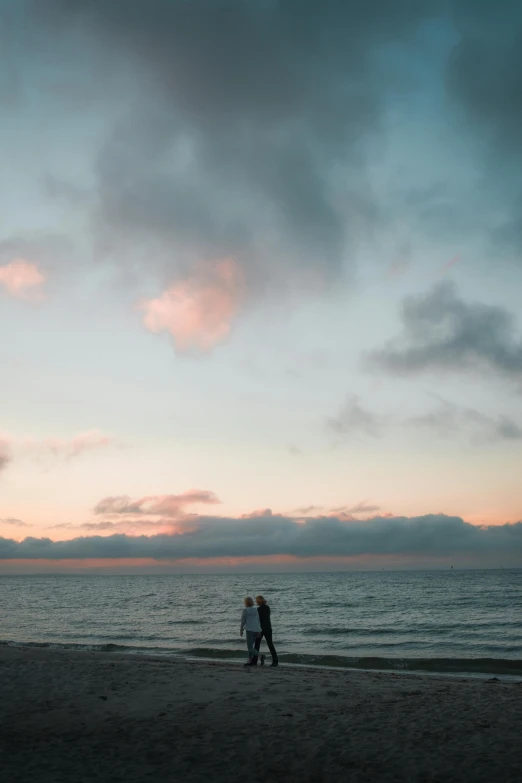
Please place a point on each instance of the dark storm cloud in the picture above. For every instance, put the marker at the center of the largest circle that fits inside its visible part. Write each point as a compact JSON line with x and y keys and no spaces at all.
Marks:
{"x":449,"y":419}
{"x":485,"y":71}
{"x":245,"y":127}
{"x":444,"y":332}
{"x":208,"y":537}
{"x":484,"y":79}
{"x":247,"y":123}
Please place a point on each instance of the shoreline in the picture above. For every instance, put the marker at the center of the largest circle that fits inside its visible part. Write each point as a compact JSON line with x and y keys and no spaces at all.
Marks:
{"x":477,"y":667}
{"x":94,"y":716}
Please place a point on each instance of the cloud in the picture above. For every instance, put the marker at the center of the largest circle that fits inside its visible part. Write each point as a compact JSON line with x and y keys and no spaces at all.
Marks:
{"x":14,"y":522}
{"x":353,"y":420}
{"x":198,"y":312}
{"x":162,"y":513}
{"x":21,"y":278}
{"x":244,"y":128}
{"x":449,"y":419}
{"x":91,"y":440}
{"x":47,"y":250}
{"x":161,"y":505}
{"x":60,"y":189}
{"x":63,"y":448}
{"x":127,"y":524}
{"x":135,"y":524}
{"x":443,"y":332}
{"x":259,"y":513}
{"x":206,"y":537}
{"x":307,"y":510}
{"x":359,"y":508}
{"x":5,"y":454}
{"x":79,"y":444}
{"x":484,"y":81}
{"x":99,"y":526}
{"x":255,"y":131}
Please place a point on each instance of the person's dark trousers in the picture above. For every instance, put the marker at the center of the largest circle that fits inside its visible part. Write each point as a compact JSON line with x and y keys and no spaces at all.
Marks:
{"x":268,"y":636}
{"x":257,"y":644}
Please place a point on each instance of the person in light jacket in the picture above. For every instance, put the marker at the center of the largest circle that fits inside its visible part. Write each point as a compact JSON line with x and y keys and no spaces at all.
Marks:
{"x":251,"y":624}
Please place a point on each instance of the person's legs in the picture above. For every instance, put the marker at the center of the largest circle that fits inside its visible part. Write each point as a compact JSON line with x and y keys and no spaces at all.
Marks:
{"x":257,"y":644}
{"x":273,"y":653}
{"x":251,"y":639}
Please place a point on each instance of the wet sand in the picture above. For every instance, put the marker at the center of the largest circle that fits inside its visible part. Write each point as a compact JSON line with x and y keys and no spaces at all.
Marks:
{"x":82,"y":717}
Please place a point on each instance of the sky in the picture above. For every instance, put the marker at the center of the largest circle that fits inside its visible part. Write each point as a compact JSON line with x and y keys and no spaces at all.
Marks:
{"x":260,"y":274}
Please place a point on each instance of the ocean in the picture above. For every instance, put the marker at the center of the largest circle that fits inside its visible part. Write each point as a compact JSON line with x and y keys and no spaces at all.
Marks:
{"x":467,"y":622}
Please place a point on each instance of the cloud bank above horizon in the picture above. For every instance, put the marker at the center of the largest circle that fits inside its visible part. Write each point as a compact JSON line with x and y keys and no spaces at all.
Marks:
{"x":269,"y":536}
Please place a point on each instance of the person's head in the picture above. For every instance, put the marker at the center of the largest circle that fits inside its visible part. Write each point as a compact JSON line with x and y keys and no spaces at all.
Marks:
{"x":260,"y":600}
{"x":249,"y":601}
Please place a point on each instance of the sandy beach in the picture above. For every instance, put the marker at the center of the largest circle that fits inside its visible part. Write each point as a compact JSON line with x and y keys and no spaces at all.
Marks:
{"x":81,"y":717}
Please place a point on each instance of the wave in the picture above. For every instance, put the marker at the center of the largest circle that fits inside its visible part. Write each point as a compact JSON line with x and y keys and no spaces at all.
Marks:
{"x":107,"y":647}
{"x":182,"y":622}
{"x":461,"y":666}
{"x":461,"y":629}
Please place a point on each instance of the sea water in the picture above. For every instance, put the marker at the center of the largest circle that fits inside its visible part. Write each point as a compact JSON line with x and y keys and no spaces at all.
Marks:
{"x":439,"y":621}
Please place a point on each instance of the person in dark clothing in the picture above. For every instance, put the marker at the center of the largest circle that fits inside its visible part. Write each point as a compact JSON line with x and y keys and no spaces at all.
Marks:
{"x":263,"y":611}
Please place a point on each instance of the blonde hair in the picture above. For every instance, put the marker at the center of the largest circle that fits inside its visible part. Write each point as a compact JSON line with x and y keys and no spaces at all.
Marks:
{"x":249,"y":601}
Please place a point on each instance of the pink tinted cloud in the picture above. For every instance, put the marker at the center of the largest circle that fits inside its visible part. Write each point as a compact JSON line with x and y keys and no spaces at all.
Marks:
{"x":21,"y":278}
{"x":68,"y":448}
{"x":198,"y":312}
{"x":125,"y":524}
{"x":84,"y":441}
{"x":156,"y":505}
{"x":64,"y":448}
{"x":140,"y":525}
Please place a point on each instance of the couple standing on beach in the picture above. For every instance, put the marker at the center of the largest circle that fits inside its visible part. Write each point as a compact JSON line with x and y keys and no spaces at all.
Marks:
{"x":256,"y":622}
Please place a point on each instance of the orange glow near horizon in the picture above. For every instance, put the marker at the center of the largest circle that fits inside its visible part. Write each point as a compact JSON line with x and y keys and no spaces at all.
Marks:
{"x":194,"y":565}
